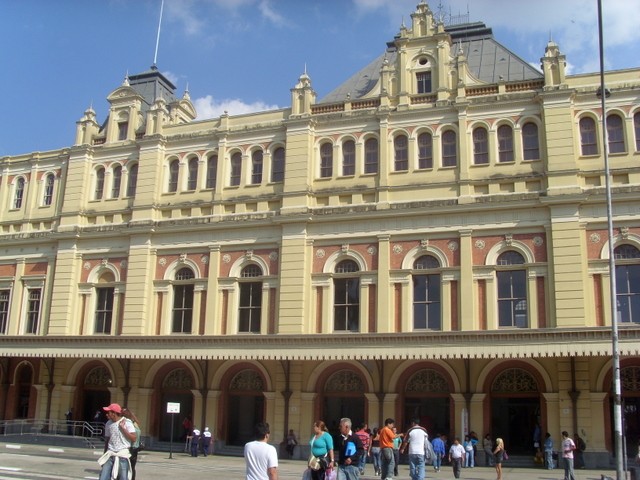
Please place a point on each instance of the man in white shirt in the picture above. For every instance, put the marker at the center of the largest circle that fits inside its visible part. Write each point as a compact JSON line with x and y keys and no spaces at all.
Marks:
{"x":260,"y":457}
{"x":119,"y":434}
{"x":567,"y":455}
{"x":456,"y":457}
{"x":416,"y":438}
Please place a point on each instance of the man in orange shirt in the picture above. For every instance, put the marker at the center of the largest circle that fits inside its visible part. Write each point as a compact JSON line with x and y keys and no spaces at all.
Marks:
{"x":386,"y":449}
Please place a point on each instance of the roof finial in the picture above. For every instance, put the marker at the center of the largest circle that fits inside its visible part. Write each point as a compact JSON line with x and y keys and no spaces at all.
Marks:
{"x":305,"y":68}
{"x":125,"y":82}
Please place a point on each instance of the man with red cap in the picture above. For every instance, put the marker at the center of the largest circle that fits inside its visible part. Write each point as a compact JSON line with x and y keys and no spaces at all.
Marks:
{"x":119,"y":434}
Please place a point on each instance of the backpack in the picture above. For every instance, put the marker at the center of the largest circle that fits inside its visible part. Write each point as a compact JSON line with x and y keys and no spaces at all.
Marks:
{"x":581,"y":445}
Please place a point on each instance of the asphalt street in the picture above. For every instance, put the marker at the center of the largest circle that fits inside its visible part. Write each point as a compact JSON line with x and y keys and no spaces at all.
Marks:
{"x":38,"y":462}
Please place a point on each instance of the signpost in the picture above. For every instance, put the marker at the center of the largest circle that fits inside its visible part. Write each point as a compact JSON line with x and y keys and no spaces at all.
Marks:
{"x":172,"y":409}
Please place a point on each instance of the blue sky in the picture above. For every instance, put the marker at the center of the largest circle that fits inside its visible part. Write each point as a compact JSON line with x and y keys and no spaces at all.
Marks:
{"x":58,"y":57}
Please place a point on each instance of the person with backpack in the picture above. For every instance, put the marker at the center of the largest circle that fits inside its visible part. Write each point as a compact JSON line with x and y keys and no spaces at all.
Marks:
{"x":581,"y":446}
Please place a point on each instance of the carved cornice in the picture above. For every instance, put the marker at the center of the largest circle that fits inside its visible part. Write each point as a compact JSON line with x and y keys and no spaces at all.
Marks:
{"x":539,"y":343}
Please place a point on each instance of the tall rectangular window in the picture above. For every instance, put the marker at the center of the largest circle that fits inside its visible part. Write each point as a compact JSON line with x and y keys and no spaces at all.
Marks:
{"x":277,"y":165}
{"x":117,"y":179}
{"x":104,"y":309}
{"x":133,"y":181}
{"x":212,"y":171}
{"x":4,"y":310}
{"x":449,"y":149}
{"x":346,"y":306}
{"x":236,"y":169}
{"x":48,"y":190}
{"x":425,"y":151}
{"x":512,"y":298}
{"x":250,"y":308}
{"x":424,"y":82}
{"x":182,"y":308}
{"x":123,"y":128}
{"x":348,"y":158}
{"x":426,"y":302}
{"x":33,"y":310}
{"x":257,"y":158}
{"x":371,"y":155}
{"x":19,"y":193}
{"x":326,"y":160}
{"x":401,"y":153}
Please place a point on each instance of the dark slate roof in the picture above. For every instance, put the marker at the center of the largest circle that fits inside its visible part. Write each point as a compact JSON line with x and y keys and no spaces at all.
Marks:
{"x":151,"y":85}
{"x":487,"y":59}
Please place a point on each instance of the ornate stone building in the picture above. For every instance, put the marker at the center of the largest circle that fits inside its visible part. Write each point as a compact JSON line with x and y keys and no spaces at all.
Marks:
{"x":428,"y":239}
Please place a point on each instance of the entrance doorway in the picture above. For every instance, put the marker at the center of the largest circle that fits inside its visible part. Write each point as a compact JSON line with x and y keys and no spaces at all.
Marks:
{"x":244,"y":412}
{"x":514,"y":420}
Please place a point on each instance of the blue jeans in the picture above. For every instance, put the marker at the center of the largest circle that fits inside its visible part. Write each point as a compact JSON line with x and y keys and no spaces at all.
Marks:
{"x":416,"y":466}
{"x":548,"y":459}
{"x":105,"y":473}
{"x":348,"y":472}
{"x":568,"y":469}
{"x":469,"y":459}
{"x":375,"y":455}
{"x":437,"y":461}
{"x":362,"y":462}
{"x":388,"y":463}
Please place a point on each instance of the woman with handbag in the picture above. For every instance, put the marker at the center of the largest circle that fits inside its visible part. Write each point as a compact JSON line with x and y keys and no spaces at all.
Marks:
{"x":321,"y":458}
{"x":499,"y":455}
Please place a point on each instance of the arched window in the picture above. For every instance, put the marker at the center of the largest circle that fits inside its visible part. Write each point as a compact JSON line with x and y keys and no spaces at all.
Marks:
{"x":250,"y":305}
{"x":104,"y":303}
{"x":449,"y":149}
{"x":49,"y":181}
{"x":256,"y":167}
{"x":425,"y":151}
{"x":192,"y":180}
{"x":480,"y":146}
{"x":505,"y":144}
{"x":346,"y":305}
{"x":277,"y":165}
{"x":236,"y":169}
{"x":116,"y":181}
{"x":627,"y":283}
{"x":212,"y":171}
{"x":615,"y":134}
{"x":512,"y":290}
{"x":326,"y":160}
{"x":99,"y":191}
{"x":371,"y":155}
{"x":133,"y":180}
{"x":348,"y":158}
{"x":174,"y":170}
{"x":182,"y":313}
{"x":426,"y":294}
{"x":530,"y":141}
{"x":401,"y":153}
{"x":588,"y":140}
{"x":636,"y":126}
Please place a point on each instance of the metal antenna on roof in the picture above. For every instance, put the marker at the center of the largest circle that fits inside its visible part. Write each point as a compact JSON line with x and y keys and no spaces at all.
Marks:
{"x":155,"y":55}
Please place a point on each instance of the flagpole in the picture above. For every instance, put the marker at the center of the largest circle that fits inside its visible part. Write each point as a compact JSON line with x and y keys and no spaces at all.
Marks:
{"x":617,"y":391}
{"x":155,"y":55}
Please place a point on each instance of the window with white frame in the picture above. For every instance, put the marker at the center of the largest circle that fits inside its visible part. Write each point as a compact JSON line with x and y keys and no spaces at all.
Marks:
{"x":627,"y":283}
{"x":511,"y":278}
{"x":183,"y":294}
{"x":401,"y":153}
{"x":18,"y":195}
{"x":174,"y":171}
{"x":636,"y":126}
{"x":49,"y":182}
{"x":346,"y":297}
{"x":5,"y":295}
{"x":250,"y":304}
{"x":426,"y":294}
{"x":423,"y":82}
{"x":34,"y":300}
{"x":104,"y":309}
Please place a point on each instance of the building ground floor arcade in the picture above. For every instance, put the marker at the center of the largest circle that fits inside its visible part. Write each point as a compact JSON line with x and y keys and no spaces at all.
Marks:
{"x":502,"y":394}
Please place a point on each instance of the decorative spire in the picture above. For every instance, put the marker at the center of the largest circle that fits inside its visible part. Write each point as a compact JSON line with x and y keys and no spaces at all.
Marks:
{"x":125,"y":82}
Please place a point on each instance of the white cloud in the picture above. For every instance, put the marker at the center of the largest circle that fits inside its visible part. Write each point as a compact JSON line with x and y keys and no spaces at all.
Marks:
{"x":270,"y":14}
{"x":208,"y":107}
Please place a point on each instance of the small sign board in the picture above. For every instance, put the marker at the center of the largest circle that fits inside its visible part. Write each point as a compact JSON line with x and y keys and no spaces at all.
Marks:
{"x":173,"y":407}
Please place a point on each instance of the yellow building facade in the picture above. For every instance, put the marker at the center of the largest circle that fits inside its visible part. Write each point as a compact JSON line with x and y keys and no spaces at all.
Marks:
{"x":429,"y":239}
